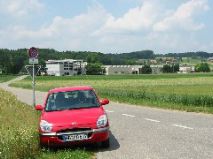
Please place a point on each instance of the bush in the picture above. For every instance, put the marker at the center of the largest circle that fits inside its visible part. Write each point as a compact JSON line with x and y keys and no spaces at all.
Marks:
{"x":94,"y":69}
{"x":202,"y":67}
{"x":170,"y":69}
{"x":146,"y":69}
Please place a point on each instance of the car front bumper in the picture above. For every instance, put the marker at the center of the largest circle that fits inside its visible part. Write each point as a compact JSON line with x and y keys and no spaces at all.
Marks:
{"x":55,"y":139}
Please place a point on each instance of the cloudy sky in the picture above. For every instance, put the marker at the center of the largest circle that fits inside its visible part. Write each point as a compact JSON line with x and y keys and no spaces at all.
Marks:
{"x":109,"y":26}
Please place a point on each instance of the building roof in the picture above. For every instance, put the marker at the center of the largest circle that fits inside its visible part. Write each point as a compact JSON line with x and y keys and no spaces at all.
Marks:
{"x":61,"y":61}
{"x":67,"y":89}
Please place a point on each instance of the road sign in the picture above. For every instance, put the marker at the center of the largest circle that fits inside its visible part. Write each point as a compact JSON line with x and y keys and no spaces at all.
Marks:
{"x":32,"y":69}
{"x":33,"y":61}
{"x":33,"y":52}
{"x":29,"y":69}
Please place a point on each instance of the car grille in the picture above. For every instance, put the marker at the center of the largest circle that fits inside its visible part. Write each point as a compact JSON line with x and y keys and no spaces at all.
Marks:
{"x":74,"y":130}
{"x":77,"y":130}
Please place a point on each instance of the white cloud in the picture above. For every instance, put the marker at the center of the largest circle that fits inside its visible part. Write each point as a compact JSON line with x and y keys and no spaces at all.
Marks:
{"x":148,"y":26}
{"x":183,"y":17}
{"x":136,"y":19}
{"x":62,"y":33}
{"x":19,"y":8}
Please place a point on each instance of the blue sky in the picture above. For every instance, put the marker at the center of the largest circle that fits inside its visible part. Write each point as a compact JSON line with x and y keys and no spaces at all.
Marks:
{"x":108,"y":26}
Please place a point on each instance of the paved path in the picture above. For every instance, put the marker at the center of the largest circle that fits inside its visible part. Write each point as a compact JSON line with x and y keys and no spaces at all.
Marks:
{"x":149,"y":133}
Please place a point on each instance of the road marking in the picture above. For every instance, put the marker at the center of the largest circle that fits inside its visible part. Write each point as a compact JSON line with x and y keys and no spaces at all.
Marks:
{"x":109,"y":111}
{"x":128,"y":115}
{"x":157,"y":121}
{"x":182,"y":126}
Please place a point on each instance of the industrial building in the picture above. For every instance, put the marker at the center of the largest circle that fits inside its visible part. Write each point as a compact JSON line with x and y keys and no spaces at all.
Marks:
{"x":129,"y":69}
{"x":65,"y":67}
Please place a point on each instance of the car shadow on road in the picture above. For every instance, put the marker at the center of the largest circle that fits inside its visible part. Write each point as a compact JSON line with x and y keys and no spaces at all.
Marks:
{"x":114,"y":145}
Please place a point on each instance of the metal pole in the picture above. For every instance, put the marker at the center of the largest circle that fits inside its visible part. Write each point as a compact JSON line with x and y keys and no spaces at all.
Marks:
{"x":33,"y":84}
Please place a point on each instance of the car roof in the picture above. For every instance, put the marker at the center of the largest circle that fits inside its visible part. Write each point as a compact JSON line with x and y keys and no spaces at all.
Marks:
{"x":67,"y":89}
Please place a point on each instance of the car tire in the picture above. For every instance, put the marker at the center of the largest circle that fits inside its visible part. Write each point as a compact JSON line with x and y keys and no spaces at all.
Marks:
{"x":105,"y":144}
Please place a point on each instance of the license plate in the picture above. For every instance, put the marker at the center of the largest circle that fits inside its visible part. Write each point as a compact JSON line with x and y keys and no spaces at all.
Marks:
{"x":75,"y":137}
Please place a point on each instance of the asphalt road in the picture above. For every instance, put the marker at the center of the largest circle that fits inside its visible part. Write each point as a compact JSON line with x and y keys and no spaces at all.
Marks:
{"x":149,"y":133}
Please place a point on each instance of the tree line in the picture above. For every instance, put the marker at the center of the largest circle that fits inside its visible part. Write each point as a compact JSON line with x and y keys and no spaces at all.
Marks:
{"x":13,"y":61}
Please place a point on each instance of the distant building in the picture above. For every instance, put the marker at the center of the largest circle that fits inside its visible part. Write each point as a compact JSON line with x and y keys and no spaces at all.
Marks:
{"x":156,"y":69}
{"x":121,"y":69}
{"x":129,"y":69}
{"x":210,"y":59}
{"x":65,"y":67}
{"x":186,"y":69}
{"x":154,"y":62}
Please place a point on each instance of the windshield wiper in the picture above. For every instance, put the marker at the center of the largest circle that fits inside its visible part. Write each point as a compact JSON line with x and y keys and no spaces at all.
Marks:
{"x":55,"y":110}
{"x":84,"y":107}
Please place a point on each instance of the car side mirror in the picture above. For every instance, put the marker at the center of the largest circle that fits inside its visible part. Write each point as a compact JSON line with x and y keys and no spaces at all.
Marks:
{"x":104,"y":101}
{"x":39,"y":107}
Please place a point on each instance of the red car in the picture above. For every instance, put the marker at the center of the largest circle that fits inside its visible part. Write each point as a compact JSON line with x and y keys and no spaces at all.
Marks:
{"x":73,"y":115}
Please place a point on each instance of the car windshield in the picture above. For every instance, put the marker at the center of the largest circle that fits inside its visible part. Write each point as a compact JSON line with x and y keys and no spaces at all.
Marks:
{"x":71,"y":100}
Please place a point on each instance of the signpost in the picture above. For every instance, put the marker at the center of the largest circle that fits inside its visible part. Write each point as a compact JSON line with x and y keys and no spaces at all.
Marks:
{"x":33,"y":59}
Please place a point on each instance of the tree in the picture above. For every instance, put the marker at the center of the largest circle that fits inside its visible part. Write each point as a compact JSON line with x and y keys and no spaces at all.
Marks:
{"x":202,"y":67}
{"x":167,"y":69}
{"x":171,"y":69}
{"x":176,"y":67}
{"x":94,"y":69}
{"x":146,"y":69}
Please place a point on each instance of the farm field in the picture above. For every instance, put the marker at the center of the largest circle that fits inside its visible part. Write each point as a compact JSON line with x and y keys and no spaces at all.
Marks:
{"x":19,"y":136}
{"x":188,"y":92}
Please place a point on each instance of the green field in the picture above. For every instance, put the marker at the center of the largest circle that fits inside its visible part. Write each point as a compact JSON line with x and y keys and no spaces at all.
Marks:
{"x":189,"y":92}
{"x":191,"y":61}
{"x":19,"y":135}
{"x":4,"y":78}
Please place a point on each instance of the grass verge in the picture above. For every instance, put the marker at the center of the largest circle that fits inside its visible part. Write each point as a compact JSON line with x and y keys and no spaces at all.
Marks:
{"x":19,"y":136}
{"x":4,"y":78}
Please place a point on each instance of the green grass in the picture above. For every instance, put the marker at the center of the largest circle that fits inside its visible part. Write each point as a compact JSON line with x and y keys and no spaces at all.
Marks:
{"x":19,"y":135}
{"x":4,"y":78}
{"x":192,"y":61}
{"x":189,"y":92}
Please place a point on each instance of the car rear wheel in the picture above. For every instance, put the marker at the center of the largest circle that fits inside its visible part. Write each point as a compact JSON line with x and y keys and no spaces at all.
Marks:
{"x":105,"y":144}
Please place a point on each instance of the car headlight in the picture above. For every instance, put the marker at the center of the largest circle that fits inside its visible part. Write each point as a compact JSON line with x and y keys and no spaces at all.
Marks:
{"x":102,"y":121}
{"x":45,"y":126}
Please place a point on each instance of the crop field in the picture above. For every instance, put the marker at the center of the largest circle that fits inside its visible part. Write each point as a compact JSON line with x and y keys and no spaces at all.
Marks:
{"x":4,"y":78}
{"x":189,"y":92}
{"x":19,"y":136}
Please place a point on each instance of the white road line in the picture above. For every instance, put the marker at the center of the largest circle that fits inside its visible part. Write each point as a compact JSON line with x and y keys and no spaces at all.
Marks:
{"x":128,"y":115}
{"x":109,"y":111}
{"x":182,"y":126}
{"x":157,"y":121}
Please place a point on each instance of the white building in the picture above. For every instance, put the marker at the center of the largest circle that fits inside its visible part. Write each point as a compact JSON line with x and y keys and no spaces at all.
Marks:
{"x":186,"y":69}
{"x":210,"y":59}
{"x":121,"y":69}
{"x":65,"y":67}
{"x":129,"y":69}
